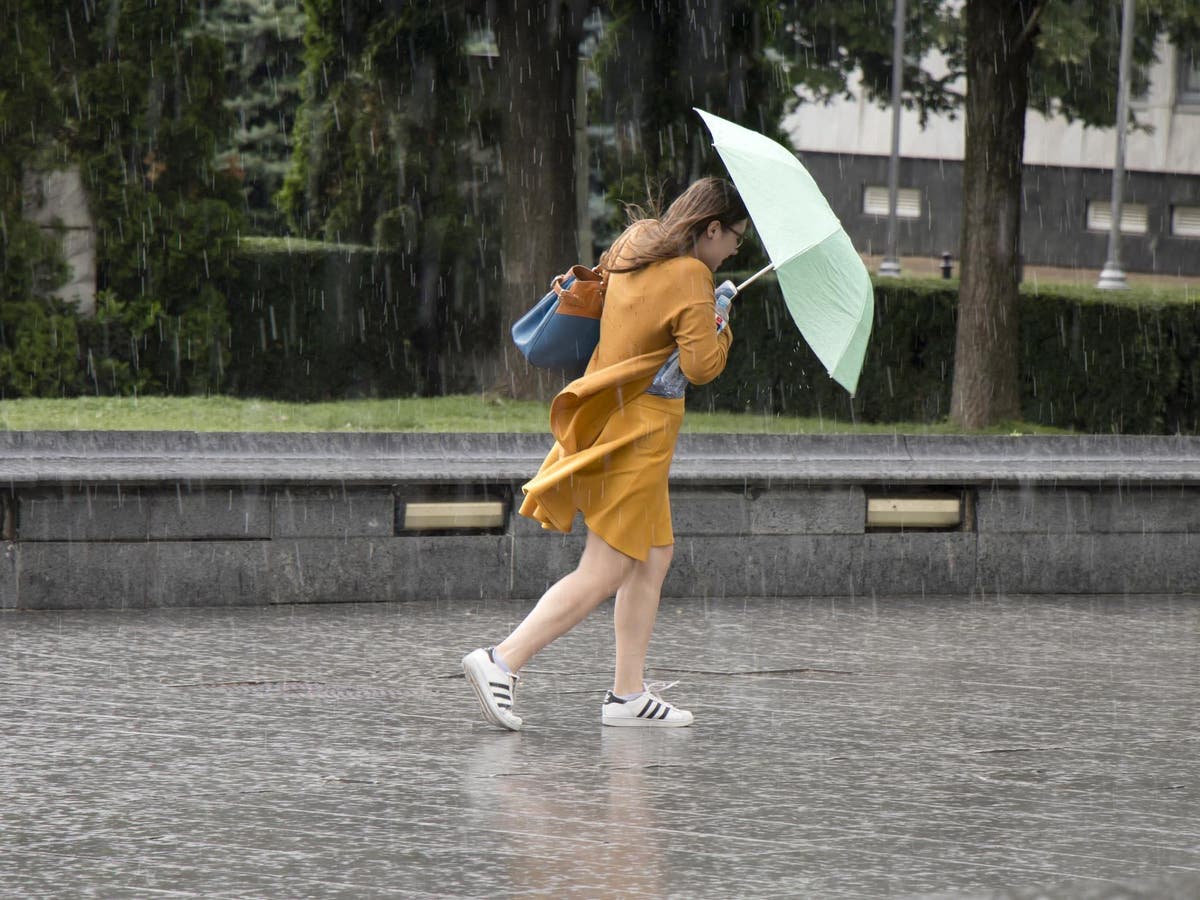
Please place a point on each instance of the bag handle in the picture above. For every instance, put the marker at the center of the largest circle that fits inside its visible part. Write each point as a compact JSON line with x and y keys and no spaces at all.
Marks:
{"x":579,"y":272}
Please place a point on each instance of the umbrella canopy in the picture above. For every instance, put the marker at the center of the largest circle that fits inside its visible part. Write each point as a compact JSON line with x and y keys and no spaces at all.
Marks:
{"x":824,"y":282}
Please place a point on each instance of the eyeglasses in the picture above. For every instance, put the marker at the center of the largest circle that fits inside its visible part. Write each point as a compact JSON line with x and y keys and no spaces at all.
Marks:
{"x":741,"y":236}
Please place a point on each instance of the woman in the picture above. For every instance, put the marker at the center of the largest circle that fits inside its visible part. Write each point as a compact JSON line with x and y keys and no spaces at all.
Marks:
{"x":614,"y":448}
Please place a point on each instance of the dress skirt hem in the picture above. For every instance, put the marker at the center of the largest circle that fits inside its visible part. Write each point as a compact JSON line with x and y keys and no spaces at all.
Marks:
{"x":619,"y":482}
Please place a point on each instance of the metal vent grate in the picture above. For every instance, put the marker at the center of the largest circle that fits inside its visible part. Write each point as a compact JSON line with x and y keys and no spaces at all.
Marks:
{"x":1135,"y":218}
{"x":453,"y":509}
{"x":1185,"y":221}
{"x":908,"y":202}
{"x":922,"y":509}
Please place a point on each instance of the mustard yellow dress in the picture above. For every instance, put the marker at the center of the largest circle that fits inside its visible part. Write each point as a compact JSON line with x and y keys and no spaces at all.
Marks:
{"x":613,"y":442}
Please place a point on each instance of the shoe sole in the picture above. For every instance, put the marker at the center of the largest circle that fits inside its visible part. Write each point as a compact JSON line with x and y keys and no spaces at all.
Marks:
{"x":644,"y":723}
{"x":478,"y":680}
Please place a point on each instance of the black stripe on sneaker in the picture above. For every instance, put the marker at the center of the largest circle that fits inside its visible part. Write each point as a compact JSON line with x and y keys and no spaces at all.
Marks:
{"x":652,"y":712}
{"x":666,"y":710}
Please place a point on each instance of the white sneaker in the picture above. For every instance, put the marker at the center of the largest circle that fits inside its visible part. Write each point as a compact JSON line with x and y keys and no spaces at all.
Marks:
{"x":646,"y":709}
{"x":495,"y":689}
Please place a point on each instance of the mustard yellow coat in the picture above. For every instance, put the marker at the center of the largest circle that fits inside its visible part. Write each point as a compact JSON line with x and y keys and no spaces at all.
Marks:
{"x":613,"y":442}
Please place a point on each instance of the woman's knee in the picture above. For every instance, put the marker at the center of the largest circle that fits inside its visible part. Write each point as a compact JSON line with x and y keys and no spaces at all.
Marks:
{"x":604,"y":564}
{"x":653,"y":570}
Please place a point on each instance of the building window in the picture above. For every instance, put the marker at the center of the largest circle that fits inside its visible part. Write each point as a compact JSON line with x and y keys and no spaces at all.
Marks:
{"x":1188,"y":91}
{"x":908,"y":202}
{"x":1185,"y":221}
{"x":1134,"y":219}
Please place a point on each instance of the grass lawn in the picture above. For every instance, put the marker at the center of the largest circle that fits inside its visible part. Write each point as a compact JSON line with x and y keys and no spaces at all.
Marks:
{"x":434,"y":414}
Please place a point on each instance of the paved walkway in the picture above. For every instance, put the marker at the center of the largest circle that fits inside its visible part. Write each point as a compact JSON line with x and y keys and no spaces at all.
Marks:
{"x":1016,"y":748}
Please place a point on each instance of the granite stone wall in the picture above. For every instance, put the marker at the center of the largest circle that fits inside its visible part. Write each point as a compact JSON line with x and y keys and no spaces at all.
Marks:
{"x":175,"y":543}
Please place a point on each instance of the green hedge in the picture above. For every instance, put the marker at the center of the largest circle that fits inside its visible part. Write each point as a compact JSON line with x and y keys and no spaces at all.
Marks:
{"x":1129,"y":364}
{"x":313,"y":321}
{"x":1090,"y":360}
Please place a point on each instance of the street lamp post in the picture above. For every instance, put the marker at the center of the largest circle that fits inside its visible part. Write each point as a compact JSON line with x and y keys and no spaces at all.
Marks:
{"x":1112,"y":277}
{"x":891,"y":262}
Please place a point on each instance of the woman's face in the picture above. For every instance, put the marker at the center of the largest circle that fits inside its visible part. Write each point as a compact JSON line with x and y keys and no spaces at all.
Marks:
{"x":719,"y":242}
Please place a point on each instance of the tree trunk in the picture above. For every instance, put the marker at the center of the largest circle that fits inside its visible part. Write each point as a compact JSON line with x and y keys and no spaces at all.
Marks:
{"x":539,"y":51}
{"x":998,"y":52}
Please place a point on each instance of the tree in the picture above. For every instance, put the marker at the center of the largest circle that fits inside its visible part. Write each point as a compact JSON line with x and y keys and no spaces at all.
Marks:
{"x":538,"y":46}
{"x":144,"y":126}
{"x":656,"y":62}
{"x":394,"y":149}
{"x":661,"y":60}
{"x":263,"y":40}
{"x":403,"y":113}
{"x":132,"y":95}
{"x":999,"y":49}
{"x":1058,"y":58}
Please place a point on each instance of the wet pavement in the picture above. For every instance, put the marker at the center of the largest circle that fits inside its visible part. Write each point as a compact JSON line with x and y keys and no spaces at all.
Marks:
{"x":966,"y":747}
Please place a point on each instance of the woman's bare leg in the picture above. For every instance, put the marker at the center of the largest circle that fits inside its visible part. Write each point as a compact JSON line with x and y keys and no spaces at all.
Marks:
{"x":600,"y":572}
{"x":633,"y":618}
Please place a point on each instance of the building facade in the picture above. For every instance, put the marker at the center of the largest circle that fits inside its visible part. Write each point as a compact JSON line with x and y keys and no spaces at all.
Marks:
{"x":1067,"y":177}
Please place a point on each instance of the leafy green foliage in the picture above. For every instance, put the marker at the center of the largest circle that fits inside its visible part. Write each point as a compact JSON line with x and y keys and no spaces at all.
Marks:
{"x":657,"y":61}
{"x":318,"y":321}
{"x":30,"y":263}
{"x":1125,"y":366}
{"x":1074,"y":71}
{"x":1078,"y":48}
{"x":263,"y":41}
{"x":131,"y":94}
{"x":39,"y":349}
{"x":166,"y":216}
{"x":385,"y":99}
{"x":395,"y":147}
{"x":1089,"y":361}
{"x":36,"y":350}
{"x":115,"y":338}
{"x":826,"y":44}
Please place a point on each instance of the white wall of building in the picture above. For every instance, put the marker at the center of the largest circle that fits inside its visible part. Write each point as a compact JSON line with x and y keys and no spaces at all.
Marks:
{"x":57,"y":202}
{"x":1171,"y":145}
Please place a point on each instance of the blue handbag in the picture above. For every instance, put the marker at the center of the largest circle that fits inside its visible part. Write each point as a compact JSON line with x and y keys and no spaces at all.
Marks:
{"x":562,"y":330}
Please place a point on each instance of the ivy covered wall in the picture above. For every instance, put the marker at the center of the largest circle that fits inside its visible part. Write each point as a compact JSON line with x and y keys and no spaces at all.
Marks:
{"x":130,"y":92}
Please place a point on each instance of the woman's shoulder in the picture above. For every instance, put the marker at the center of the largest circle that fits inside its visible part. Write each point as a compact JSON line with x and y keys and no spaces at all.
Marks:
{"x":685,"y":278}
{"x":683,"y":267}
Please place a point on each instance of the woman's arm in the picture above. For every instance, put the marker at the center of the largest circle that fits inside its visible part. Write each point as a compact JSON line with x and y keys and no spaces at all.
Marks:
{"x":702,"y":351}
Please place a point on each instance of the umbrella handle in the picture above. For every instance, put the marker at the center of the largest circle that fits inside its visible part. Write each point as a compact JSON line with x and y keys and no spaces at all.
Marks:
{"x":753,"y":278}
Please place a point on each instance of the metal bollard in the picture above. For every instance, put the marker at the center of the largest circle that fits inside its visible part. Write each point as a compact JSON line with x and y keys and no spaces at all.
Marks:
{"x":947,"y":266}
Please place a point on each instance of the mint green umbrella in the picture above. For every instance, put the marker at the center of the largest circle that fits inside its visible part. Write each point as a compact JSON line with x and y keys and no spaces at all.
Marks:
{"x":823,"y":279}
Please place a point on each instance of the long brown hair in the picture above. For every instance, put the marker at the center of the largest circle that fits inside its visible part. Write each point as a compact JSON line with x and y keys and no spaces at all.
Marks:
{"x":650,"y":239}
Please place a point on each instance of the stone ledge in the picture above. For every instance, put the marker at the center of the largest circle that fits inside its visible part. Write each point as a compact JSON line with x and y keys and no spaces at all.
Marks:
{"x":40,"y":458}
{"x":114,"y":520}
